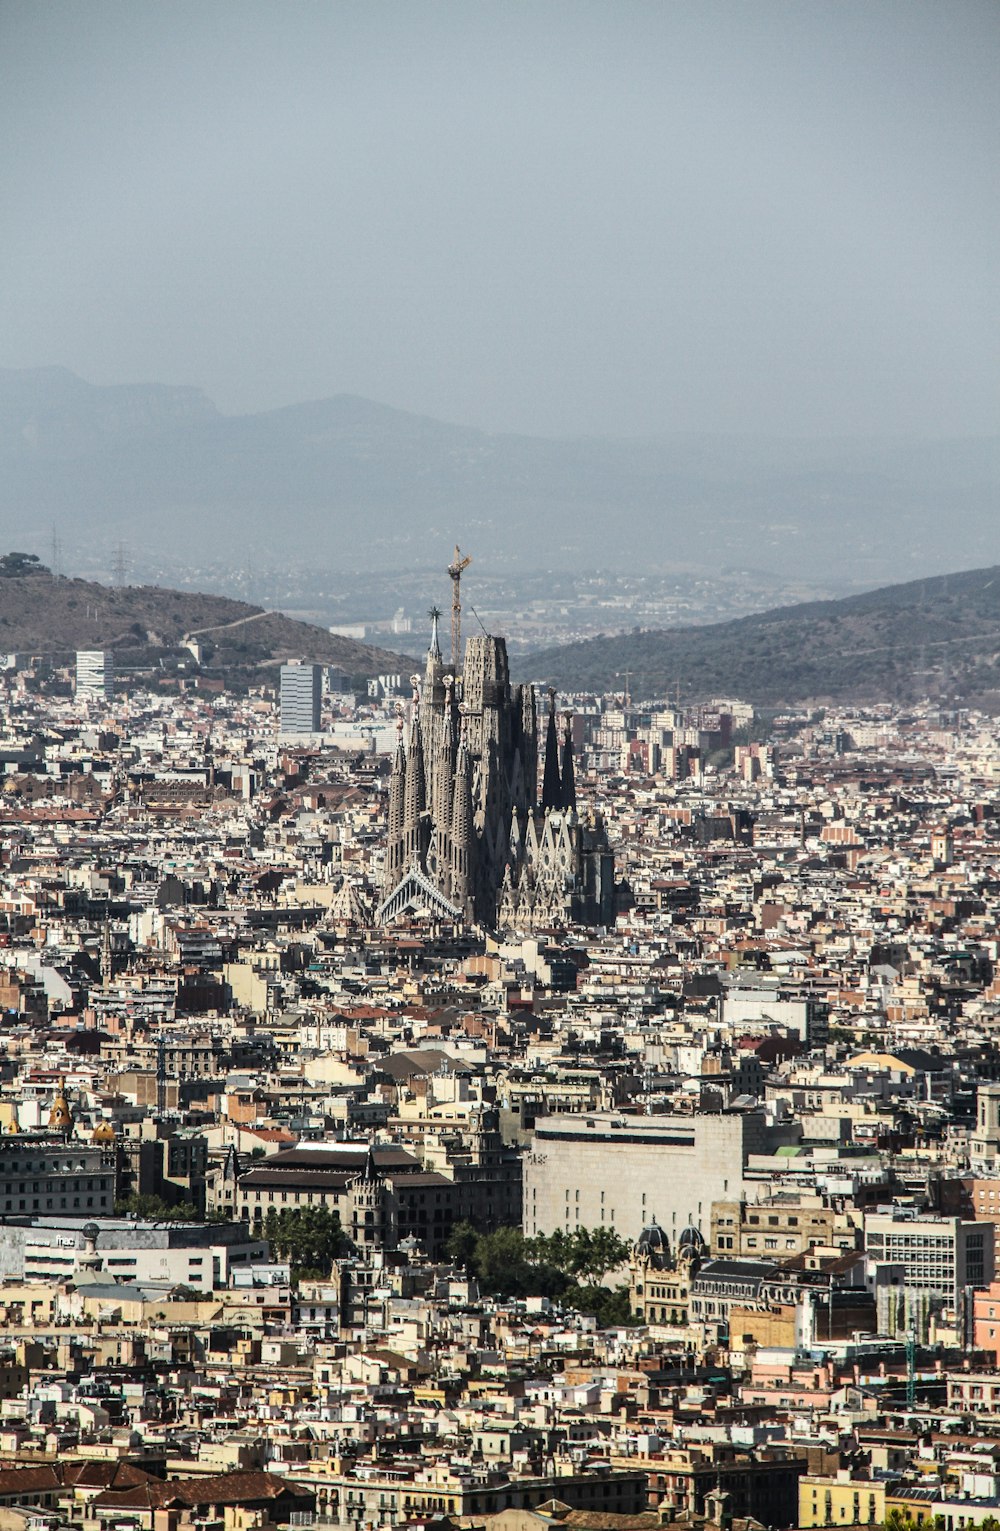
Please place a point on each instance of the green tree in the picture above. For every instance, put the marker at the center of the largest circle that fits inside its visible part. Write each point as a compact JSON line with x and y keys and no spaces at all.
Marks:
{"x":155,"y":1209}
{"x":597,"y":1250}
{"x":310,"y":1238}
{"x":12,"y":565}
{"x":461,"y":1246}
{"x":609,"y":1305}
{"x":507,"y":1264}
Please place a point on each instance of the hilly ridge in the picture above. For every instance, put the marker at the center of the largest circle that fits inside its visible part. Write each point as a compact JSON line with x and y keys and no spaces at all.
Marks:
{"x":930,"y":637}
{"x":53,"y":616}
{"x":351,"y":483}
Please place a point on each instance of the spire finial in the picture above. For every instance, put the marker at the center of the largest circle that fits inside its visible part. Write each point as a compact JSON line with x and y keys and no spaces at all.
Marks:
{"x":434,"y":649}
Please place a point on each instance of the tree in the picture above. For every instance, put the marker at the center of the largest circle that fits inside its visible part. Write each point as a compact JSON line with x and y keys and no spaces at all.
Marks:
{"x":310,"y":1238}
{"x":598,"y":1250}
{"x":584,"y":1252}
{"x":609,"y":1305}
{"x":13,"y":565}
{"x":507,"y":1264}
{"x":155,"y":1209}
{"x":463,"y":1241}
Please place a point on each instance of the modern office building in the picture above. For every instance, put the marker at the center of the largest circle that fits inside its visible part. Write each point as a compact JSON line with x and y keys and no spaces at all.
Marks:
{"x":95,"y":674}
{"x":301,"y":697}
{"x":940,"y":1260}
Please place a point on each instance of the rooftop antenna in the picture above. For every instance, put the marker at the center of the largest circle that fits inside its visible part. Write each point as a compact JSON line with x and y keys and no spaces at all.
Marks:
{"x":455,"y":569}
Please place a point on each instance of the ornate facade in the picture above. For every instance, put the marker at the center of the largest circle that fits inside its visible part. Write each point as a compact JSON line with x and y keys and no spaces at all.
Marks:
{"x":468,"y":839}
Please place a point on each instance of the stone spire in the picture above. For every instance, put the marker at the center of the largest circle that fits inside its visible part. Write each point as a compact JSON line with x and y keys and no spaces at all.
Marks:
{"x":415,"y":795}
{"x":395,"y":826}
{"x":434,"y":647}
{"x":568,"y":783}
{"x":529,"y":744}
{"x":551,"y":784}
{"x":463,"y":835}
{"x":447,"y":755}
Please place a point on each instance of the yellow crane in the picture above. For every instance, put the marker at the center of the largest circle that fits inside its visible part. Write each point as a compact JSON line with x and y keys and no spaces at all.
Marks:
{"x":455,"y":568}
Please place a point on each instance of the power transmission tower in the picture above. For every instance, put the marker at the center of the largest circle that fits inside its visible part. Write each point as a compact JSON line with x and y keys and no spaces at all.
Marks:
{"x":119,"y":568}
{"x":56,"y":553}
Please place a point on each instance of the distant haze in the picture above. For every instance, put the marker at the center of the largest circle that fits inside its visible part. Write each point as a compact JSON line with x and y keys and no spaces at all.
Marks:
{"x":557,"y":219}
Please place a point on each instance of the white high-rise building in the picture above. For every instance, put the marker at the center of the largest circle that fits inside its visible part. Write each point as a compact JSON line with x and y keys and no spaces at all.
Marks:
{"x":95,"y":674}
{"x":301,"y":696}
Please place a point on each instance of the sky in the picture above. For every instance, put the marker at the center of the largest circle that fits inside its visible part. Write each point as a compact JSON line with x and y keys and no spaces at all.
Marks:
{"x":763,"y":217}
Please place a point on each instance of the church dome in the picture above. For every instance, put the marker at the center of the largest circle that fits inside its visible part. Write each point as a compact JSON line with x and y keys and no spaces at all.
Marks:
{"x":691,"y":1242}
{"x":104,"y":1132}
{"x":61,"y":1117}
{"x":652,"y":1244}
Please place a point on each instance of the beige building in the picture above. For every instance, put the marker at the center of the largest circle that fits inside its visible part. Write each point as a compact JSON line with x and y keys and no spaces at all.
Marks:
{"x":780,"y":1226}
{"x":840,"y":1500}
{"x":621,"y":1172}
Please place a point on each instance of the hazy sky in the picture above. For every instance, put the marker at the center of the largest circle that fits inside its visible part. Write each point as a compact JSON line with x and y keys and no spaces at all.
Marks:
{"x":555,"y":218}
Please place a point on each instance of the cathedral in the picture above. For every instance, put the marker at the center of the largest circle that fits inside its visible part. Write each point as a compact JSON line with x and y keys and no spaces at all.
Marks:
{"x":468,"y":839}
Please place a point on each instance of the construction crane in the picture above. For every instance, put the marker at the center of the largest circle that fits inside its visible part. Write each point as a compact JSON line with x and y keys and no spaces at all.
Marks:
{"x":455,"y":568}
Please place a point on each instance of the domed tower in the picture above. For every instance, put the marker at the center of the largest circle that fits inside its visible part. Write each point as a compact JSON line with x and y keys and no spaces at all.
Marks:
{"x":89,"y":1263}
{"x":61,"y":1117}
{"x":104,"y":1133}
{"x":653,"y":1247}
{"x":691,"y":1248}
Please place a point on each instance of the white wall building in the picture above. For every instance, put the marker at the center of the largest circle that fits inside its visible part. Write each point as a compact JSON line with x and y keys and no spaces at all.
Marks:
{"x":95,"y":674}
{"x":606,"y":1170}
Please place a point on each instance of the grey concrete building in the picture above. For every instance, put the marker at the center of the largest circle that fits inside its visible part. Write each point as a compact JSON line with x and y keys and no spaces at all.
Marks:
{"x":607,"y":1170}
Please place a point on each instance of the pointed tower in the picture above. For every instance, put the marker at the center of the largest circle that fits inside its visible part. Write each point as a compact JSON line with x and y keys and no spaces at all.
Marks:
{"x":529,"y":745}
{"x":442,"y":785}
{"x":568,"y":782}
{"x":551,"y":784}
{"x":432,"y":710}
{"x":370,"y":1225}
{"x":394,"y":858}
{"x":415,"y":794}
{"x":463,"y":834}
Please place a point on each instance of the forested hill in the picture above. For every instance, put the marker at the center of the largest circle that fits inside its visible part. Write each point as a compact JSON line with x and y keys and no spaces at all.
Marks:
{"x":930,"y":637}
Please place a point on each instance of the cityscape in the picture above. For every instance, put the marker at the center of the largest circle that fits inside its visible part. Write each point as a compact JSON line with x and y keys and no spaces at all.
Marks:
{"x":444,"y":1102}
{"x":499,"y":766}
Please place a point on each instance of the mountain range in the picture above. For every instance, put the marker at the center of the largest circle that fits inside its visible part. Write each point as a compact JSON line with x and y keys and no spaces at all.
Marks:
{"x":937,"y":637}
{"x":351,"y":484}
